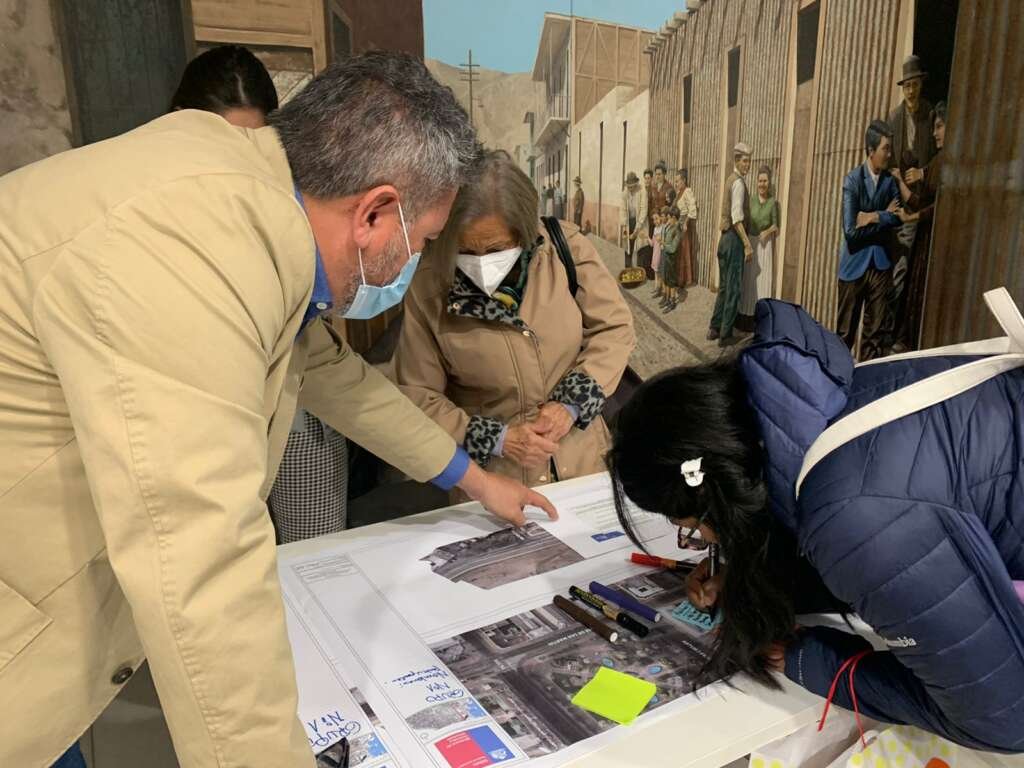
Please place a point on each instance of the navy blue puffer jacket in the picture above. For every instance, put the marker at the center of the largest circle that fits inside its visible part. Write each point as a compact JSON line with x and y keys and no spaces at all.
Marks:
{"x":919,"y":525}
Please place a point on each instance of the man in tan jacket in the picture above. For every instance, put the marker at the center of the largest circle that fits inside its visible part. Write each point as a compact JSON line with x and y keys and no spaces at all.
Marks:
{"x":161,"y":307}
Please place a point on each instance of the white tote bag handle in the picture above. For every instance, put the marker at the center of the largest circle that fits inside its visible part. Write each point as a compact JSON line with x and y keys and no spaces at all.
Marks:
{"x":933,"y":390}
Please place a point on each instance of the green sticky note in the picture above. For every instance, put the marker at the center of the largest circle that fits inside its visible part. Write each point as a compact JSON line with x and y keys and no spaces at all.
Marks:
{"x":615,"y":695}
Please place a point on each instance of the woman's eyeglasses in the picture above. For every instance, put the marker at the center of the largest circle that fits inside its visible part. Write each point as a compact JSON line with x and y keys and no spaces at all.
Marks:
{"x":687,"y":540}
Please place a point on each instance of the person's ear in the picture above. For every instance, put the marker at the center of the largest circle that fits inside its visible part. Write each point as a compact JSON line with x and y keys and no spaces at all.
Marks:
{"x":372,"y":217}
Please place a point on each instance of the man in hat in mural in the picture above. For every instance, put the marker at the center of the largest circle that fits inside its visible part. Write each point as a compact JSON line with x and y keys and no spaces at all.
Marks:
{"x":577,"y":203}
{"x":913,"y":146}
{"x":734,"y":246}
{"x":633,"y":217}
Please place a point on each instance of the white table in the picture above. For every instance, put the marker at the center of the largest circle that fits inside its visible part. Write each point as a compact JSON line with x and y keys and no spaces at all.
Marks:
{"x":707,"y":735}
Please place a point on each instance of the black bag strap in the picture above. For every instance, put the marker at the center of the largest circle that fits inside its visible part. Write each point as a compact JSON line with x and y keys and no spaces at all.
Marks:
{"x":564,"y":253}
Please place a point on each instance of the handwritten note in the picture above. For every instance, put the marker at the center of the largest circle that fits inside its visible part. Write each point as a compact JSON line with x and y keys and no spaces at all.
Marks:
{"x":329,"y":728}
{"x":438,"y":685}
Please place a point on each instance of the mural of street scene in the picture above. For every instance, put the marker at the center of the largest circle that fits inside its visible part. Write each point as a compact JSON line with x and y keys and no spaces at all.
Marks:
{"x":525,"y":669}
{"x":721,"y":154}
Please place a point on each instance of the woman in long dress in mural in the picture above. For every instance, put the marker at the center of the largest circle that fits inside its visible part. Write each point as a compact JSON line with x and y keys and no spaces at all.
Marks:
{"x":759,"y":272}
{"x":686,"y":202}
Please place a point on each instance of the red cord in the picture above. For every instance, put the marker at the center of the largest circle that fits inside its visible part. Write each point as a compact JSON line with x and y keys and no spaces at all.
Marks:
{"x":850,"y":663}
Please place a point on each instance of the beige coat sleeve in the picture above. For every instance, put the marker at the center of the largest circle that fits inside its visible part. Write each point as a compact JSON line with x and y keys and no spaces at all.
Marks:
{"x":420,"y":371}
{"x":160,"y":338}
{"x":344,"y":391}
{"x":608,"y":337}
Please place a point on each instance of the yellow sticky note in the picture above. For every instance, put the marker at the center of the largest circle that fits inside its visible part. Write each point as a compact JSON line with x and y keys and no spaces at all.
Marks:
{"x":615,"y":695}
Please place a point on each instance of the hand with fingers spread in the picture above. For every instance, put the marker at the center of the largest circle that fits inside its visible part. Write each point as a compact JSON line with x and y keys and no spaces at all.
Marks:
{"x":502,"y":496}
{"x":527,"y":444}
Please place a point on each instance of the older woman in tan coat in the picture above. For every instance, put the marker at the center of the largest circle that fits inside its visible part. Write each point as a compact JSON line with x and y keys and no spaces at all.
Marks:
{"x":494,"y":346}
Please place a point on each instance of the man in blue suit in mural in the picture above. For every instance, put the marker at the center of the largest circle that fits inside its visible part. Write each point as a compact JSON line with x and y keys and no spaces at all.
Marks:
{"x":871,"y":213}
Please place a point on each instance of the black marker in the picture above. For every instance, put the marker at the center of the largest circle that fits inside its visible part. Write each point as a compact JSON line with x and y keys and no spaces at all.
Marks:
{"x":621,"y":618}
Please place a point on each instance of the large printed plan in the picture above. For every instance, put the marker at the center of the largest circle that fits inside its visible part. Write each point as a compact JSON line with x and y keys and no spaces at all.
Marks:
{"x":437,"y":644}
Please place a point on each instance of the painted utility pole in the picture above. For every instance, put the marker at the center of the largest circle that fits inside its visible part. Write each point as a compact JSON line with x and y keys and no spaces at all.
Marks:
{"x":470,"y":75}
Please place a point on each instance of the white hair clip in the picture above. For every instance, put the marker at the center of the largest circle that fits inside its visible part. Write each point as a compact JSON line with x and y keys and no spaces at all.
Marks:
{"x":690,"y":470}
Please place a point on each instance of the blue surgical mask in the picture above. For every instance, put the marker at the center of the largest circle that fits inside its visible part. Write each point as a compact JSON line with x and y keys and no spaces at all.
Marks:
{"x":373,"y":300}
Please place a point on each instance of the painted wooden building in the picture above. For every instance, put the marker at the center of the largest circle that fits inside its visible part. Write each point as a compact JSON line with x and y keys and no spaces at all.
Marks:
{"x":799,"y":81}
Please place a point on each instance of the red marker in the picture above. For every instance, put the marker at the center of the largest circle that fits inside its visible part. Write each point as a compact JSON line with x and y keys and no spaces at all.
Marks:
{"x":660,"y":562}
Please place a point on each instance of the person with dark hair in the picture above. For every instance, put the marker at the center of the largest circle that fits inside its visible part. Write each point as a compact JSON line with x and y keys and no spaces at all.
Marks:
{"x":921,"y":200}
{"x":759,"y":272}
{"x":498,"y":349}
{"x":670,"y":243}
{"x":734,"y":248}
{"x":656,"y":193}
{"x":914,"y":523}
{"x":578,"y":200}
{"x":229,"y":81}
{"x":686,"y":202}
{"x":660,"y":221}
{"x":871,"y":213}
{"x":166,"y":293}
{"x":913,"y":147}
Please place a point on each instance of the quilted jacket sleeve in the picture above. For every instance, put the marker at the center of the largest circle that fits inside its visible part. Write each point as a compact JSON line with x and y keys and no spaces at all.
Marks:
{"x":929,"y":580}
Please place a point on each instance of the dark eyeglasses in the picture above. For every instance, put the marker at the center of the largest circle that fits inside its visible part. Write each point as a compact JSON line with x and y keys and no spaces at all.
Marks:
{"x":688,"y":541}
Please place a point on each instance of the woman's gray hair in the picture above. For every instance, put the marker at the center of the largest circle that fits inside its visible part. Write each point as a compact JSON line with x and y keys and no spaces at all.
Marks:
{"x":498,"y":187}
{"x":378,"y":118}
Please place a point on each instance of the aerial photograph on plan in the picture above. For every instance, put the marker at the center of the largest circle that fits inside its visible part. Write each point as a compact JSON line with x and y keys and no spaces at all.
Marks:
{"x":501,"y":557}
{"x":525,"y":670}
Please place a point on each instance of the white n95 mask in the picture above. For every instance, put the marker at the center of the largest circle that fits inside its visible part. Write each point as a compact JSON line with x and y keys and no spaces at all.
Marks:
{"x":489,"y":270}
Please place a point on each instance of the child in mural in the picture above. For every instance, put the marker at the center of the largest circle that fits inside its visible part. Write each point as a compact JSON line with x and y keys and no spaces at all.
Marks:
{"x":734,"y":247}
{"x":671,"y":239}
{"x":759,"y":272}
{"x":659,"y":230}
{"x":686,"y":202}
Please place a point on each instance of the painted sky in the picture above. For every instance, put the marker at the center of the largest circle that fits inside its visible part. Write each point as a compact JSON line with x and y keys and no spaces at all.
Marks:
{"x":504,"y":33}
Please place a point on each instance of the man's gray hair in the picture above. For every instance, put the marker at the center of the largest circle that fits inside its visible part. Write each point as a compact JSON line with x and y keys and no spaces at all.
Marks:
{"x":378,"y":118}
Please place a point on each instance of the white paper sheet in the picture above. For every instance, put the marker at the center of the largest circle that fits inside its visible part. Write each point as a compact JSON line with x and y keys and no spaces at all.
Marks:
{"x":329,"y":708}
{"x":375,"y":607}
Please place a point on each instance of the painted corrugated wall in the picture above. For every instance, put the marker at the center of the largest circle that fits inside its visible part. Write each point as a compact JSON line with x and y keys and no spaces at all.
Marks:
{"x":849,"y":97}
{"x":978,"y":241}
{"x":699,"y":49}
{"x":847,"y":101}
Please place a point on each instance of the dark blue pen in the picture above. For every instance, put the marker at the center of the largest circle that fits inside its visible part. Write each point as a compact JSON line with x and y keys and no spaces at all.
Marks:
{"x":713,"y":566}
